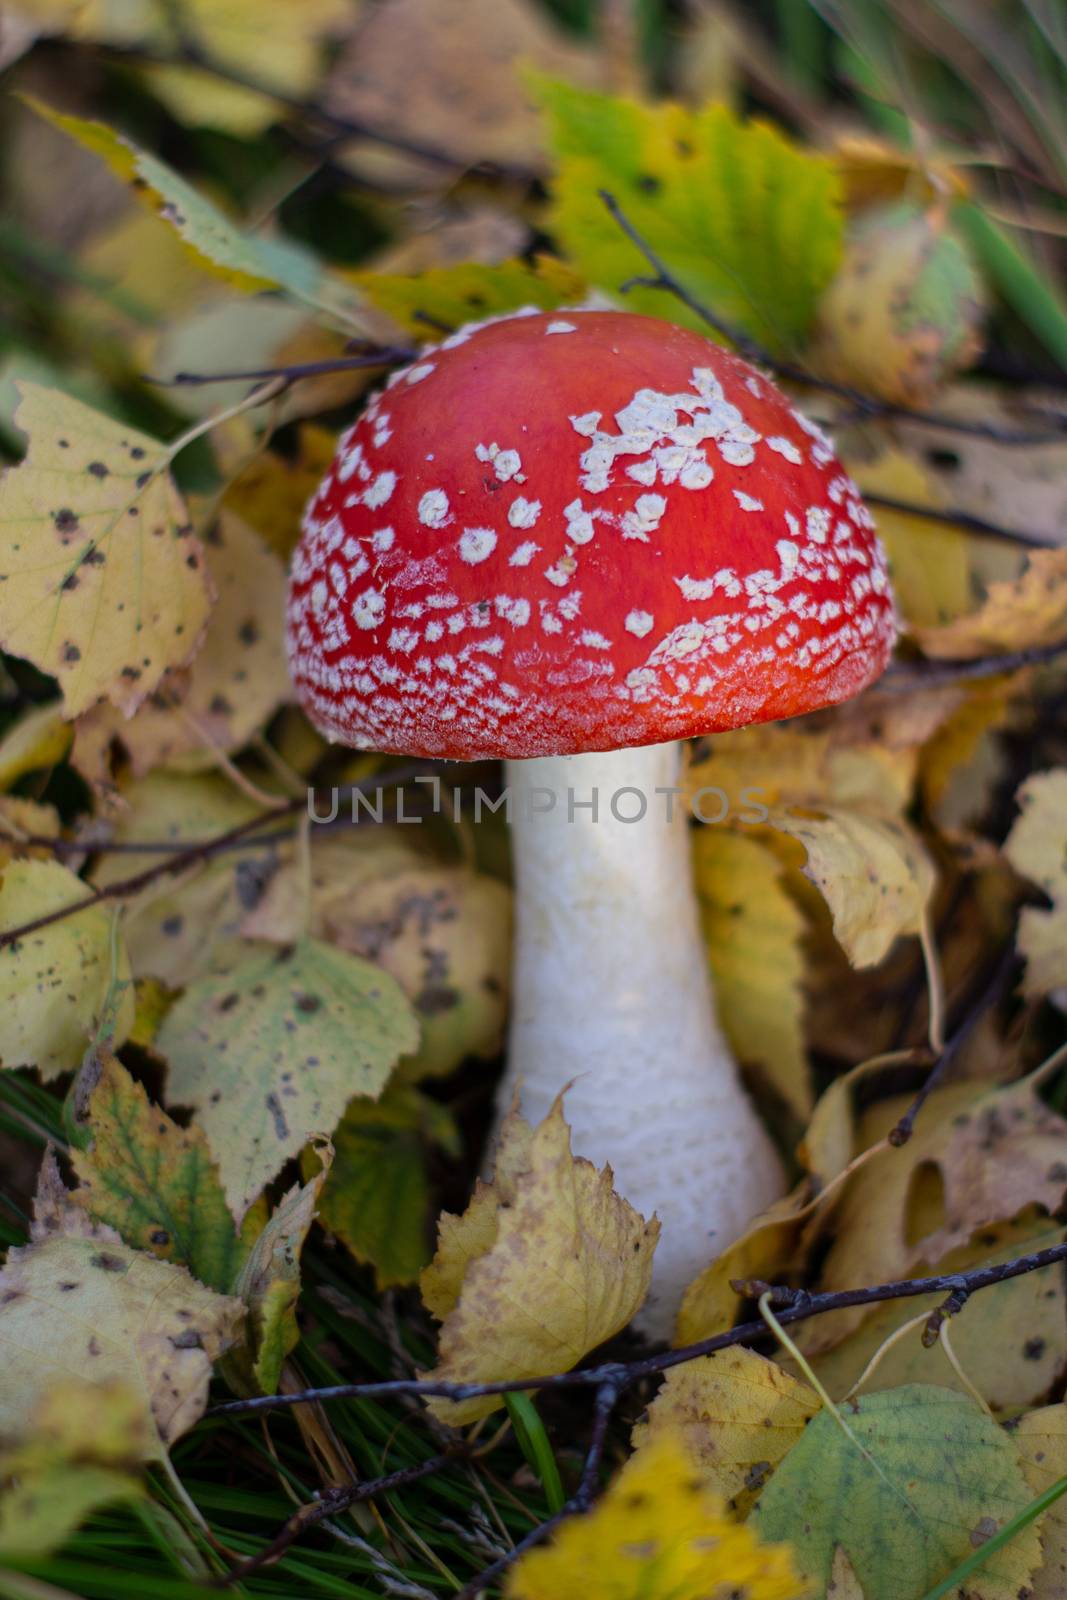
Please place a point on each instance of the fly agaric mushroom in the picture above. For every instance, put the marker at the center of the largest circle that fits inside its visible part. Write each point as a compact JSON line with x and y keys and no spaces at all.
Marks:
{"x":572,"y":540}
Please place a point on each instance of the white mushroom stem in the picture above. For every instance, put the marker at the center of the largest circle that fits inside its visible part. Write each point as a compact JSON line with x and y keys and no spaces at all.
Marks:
{"x":612,"y":990}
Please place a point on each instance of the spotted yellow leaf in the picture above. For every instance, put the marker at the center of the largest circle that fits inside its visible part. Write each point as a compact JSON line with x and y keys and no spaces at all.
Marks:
{"x":77,"y":1302}
{"x":660,"y":1532}
{"x":102,"y":582}
{"x":56,"y":985}
{"x":738,"y":1413}
{"x":553,"y":1263}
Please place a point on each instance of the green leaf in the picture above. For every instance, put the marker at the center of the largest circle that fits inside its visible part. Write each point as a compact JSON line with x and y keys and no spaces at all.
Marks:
{"x":247,"y":261}
{"x":153,"y":1182}
{"x":270,"y":1049}
{"x":376,"y":1199}
{"x":921,"y":1479}
{"x":43,"y":1508}
{"x":749,"y":222}
{"x":56,"y":984}
{"x":469,"y":292}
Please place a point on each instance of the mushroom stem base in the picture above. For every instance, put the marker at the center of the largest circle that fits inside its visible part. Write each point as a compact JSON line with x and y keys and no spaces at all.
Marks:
{"x":612,"y":996}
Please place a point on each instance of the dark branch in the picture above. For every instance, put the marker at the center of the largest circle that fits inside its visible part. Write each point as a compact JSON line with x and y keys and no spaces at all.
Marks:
{"x":623,"y":1375}
{"x":904,"y":677}
{"x":865,"y":405}
{"x":385,"y":356}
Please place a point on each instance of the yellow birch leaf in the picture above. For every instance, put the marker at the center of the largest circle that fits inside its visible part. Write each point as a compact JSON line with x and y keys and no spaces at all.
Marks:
{"x":103,"y":583}
{"x":1037,"y":849}
{"x":568,"y":1266}
{"x":752,"y":930}
{"x":1041,"y":1440}
{"x":56,"y":984}
{"x":660,"y":1532}
{"x":929,"y":562}
{"x":738,"y":1414}
{"x":873,"y":872}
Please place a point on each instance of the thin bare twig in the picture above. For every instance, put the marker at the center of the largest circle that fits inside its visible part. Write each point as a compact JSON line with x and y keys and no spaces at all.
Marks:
{"x":384,"y":356}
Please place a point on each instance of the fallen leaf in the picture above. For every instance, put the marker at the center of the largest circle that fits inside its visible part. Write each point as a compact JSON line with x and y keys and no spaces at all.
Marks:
{"x":1010,"y":1344}
{"x":977,"y":1155}
{"x":153,"y":1182}
{"x":56,"y":984}
{"x":1021,"y":486}
{"x":407,"y":69}
{"x":738,"y":1414}
{"x":904,"y":310}
{"x":1037,"y":849}
{"x":177,"y":931}
{"x":104,"y":582}
{"x":76,"y":1301}
{"x":443,"y":932}
{"x":873,"y":872}
{"x":269,"y":1279}
{"x":470,"y":292}
{"x":376,"y":1198}
{"x":286,"y":57}
{"x":1017,"y":614}
{"x":239,"y":677}
{"x":556,"y":1262}
{"x":270,"y":1049}
{"x":38,"y":739}
{"x":919,"y":1480}
{"x":749,"y":221}
{"x":657,"y":1531}
{"x":1041,"y":1440}
{"x":248,"y":261}
{"x":270,"y":493}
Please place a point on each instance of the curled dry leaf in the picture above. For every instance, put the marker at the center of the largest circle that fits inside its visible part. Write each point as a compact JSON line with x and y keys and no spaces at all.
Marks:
{"x":738,"y":1414}
{"x":56,"y":985}
{"x":105,"y":585}
{"x":1017,"y":614}
{"x":545,"y":1264}
{"x":908,"y":1483}
{"x":659,"y":1530}
{"x":1037,"y":848}
{"x":873,"y":872}
{"x":270,"y":1048}
{"x":76,"y":1301}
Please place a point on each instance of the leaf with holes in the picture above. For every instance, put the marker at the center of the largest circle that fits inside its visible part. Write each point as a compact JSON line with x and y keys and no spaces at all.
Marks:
{"x":271,"y":1048}
{"x":913,"y":1481}
{"x":102,"y":582}
{"x":749,"y":222}
{"x":1037,"y":848}
{"x":60,"y":984}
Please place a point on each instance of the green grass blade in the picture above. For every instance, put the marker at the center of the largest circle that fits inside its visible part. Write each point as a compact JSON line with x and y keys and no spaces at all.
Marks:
{"x":1026,"y":290}
{"x":536,"y":1447}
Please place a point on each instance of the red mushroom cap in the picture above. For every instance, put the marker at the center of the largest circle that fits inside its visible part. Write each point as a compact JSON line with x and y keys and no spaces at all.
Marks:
{"x":579,"y":531}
